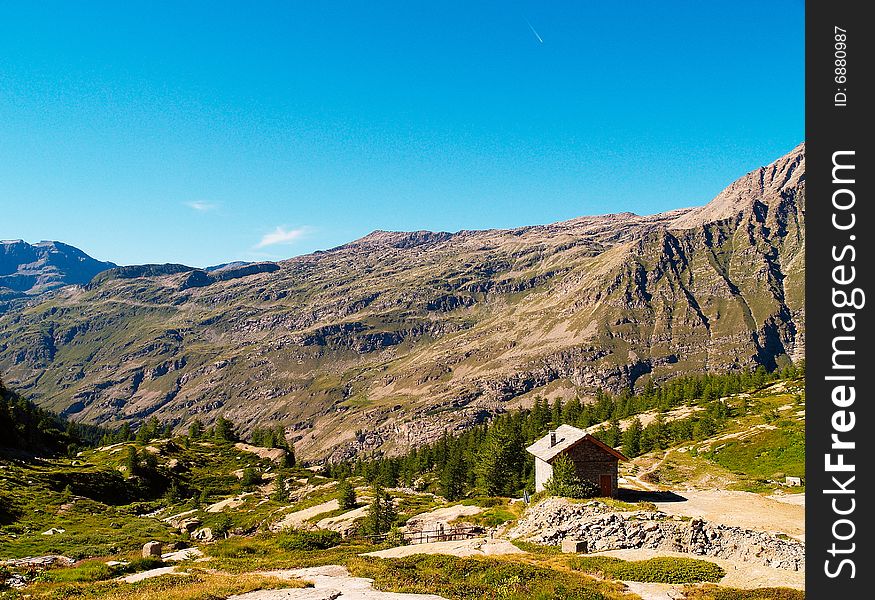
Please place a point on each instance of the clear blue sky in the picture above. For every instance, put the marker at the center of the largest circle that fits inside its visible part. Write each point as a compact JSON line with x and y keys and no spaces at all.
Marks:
{"x":205,"y":132}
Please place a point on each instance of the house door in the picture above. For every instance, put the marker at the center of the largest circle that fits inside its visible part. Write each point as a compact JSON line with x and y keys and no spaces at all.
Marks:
{"x":605,"y":485}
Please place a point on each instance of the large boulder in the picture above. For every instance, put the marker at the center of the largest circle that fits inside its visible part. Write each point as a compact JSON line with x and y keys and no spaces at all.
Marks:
{"x":152,"y":549}
{"x":204,"y":534}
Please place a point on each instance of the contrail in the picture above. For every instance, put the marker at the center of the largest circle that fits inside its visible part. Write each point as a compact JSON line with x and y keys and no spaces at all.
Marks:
{"x":535,"y":32}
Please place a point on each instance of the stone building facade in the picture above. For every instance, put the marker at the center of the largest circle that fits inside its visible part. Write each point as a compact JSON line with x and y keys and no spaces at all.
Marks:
{"x":594,"y":461}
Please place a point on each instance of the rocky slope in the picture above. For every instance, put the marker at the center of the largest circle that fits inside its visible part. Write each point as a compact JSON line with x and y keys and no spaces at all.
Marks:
{"x":557,"y":519}
{"x":388,"y":340}
{"x":27,"y":269}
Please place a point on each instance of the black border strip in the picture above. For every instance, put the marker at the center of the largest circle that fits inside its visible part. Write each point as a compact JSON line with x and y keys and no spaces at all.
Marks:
{"x":836,"y":251}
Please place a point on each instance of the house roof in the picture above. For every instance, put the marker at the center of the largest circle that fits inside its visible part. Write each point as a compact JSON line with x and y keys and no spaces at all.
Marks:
{"x":566,"y":437}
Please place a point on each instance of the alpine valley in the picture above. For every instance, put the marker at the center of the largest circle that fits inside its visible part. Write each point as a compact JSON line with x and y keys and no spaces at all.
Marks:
{"x":388,"y":341}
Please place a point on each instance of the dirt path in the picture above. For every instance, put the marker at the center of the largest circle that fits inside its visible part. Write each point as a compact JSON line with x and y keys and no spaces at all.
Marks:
{"x":739,"y":509}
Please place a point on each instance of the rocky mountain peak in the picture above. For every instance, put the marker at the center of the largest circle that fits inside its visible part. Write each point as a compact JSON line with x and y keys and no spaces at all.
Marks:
{"x":765,"y":185}
{"x":34,"y":268}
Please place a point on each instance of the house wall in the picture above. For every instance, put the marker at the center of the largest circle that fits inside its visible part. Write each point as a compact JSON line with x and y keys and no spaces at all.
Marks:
{"x":591,"y":462}
{"x":543,"y":472}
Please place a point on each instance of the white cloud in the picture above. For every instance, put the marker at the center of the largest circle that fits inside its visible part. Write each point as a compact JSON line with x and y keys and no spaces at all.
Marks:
{"x":281,"y":235}
{"x":201,"y":206}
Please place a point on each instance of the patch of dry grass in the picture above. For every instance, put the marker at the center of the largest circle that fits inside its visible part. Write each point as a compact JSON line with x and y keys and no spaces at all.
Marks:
{"x":197,"y":585}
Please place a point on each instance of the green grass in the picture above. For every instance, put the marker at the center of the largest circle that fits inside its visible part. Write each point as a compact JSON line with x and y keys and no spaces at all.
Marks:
{"x":101,"y":512}
{"x":92,"y":570}
{"x":712,"y":592}
{"x":498,"y":511}
{"x":771,"y":454}
{"x":263,"y":551}
{"x":539,"y":550}
{"x":477,"y":578}
{"x":654,"y":570}
{"x":198,"y":585}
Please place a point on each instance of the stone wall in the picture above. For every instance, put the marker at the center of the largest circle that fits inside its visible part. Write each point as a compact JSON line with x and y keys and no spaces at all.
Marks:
{"x":592,"y":462}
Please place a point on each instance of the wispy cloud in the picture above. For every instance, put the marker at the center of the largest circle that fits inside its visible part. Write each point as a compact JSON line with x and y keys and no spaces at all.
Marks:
{"x":281,"y":235}
{"x":201,"y":206}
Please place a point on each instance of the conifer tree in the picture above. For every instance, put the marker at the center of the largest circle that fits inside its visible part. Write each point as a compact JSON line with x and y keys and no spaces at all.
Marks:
{"x":346,"y":495}
{"x":632,"y":438}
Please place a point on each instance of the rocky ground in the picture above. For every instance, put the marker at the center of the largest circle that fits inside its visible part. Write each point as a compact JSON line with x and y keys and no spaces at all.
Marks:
{"x":461,"y":548}
{"x":557,"y":519}
{"x":741,"y":509}
{"x":331,"y":582}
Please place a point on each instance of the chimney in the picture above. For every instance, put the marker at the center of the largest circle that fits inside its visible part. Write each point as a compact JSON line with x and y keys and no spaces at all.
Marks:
{"x":552,"y":438}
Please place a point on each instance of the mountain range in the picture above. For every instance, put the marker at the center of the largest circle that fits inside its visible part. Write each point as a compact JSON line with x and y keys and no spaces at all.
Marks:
{"x":388,"y":341}
{"x":29,"y":269}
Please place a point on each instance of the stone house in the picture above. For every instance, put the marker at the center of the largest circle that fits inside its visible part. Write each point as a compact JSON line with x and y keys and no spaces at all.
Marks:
{"x":595,"y":461}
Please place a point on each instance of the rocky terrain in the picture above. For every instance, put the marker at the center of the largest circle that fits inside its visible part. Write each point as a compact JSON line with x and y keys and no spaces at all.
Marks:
{"x":387,"y":341}
{"x":557,"y":519}
{"x":29,"y":269}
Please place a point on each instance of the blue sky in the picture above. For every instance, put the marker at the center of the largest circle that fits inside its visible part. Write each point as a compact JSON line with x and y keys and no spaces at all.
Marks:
{"x":205,"y":132}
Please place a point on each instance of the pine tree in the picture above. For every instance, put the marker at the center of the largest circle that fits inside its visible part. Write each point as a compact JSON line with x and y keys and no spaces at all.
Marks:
{"x":196,"y":430}
{"x":632,"y":438}
{"x":499,"y":460}
{"x":453,"y":479}
{"x":280,"y":494}
{"x":224,"y":430}
{"x":381,"y":513}
{"x":556,"y":415}
{"x":346,"y":495}
{"x":288,"y":459}
{"x":132,"y":461}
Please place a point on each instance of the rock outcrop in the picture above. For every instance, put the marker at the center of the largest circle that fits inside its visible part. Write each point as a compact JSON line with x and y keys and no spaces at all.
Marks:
{"x":555,"y":520}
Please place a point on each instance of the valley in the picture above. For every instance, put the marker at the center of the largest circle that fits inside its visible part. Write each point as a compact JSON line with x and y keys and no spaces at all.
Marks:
{"x":383,"y":343}
{"x":225,"y":529}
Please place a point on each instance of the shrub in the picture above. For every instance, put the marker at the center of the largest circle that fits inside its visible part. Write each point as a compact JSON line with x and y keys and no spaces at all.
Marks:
{"x":713,"y":592}
{"x":221,"y":524}
{"x":475,"y":578}
{"x":567,"y":483}
{"x":251,"y":478}
{"x":319,"y":539}
{"x":654,"y":570}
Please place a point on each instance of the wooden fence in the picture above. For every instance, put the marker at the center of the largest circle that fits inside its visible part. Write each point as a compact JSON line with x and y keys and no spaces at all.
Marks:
{"x":426,"y":537}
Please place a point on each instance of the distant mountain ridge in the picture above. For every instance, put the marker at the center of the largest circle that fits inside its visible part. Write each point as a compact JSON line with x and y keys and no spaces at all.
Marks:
{"x":387,"y":341}
{"x":29,"y":269}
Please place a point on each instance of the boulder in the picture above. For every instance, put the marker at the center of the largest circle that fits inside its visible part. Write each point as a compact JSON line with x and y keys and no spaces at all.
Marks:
{"x":189,"y":525}
{"x":152,"y":549}
{"x":574,"y":546}
{"x":204,"y":534}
